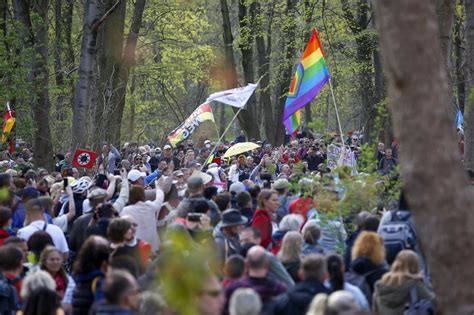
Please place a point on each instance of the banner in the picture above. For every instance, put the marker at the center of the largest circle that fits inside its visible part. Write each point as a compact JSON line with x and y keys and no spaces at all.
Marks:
{"x":334,"y":154}
{"x":236,"y":97}
{"x":188,"y":127}
{"x":84,"y":158}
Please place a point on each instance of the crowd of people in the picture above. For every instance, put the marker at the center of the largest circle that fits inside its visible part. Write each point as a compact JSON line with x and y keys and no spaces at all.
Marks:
{"x":76,"y":241}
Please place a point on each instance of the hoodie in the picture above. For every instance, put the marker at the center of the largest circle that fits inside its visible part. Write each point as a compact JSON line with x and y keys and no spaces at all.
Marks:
{"x":391,"y":299}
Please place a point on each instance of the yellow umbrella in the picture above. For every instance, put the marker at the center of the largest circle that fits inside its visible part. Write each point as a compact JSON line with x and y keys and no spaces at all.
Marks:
{"x":240,"y":148}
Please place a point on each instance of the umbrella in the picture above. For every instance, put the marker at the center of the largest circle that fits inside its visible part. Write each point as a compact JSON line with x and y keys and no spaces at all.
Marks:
{"x":240,"y":148}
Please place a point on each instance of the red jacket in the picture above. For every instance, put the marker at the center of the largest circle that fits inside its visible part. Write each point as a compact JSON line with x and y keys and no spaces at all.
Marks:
{"x":3,"y":236}
{"x":262,"y":221}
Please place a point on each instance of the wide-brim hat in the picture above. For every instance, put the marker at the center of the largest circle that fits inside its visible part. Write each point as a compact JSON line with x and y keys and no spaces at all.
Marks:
{"x":232,"y":217}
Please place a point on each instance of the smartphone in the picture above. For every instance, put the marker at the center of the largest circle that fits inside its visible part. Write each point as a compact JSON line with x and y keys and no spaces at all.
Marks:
{"x":65,"y":182}
{"x":194,"y":217}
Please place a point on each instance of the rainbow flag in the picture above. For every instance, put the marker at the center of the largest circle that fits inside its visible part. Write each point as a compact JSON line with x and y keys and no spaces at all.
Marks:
{"x":310,"y":77}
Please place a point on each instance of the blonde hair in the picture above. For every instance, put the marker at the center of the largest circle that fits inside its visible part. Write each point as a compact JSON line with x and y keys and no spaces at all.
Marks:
{"x":318,"y":305}
{"x":406,"y":265}
{"x":370,"y":245}
{"x":291,"y":247}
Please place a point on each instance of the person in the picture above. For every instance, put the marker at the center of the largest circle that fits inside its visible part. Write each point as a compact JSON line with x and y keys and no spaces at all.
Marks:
{"x":5,"y":224}
{"x":145,"y":214}
{"x":121,"y":295}
{"x":35,"y":215}
{"x":297,"y":300}
{"x":392,"y":292}
{"x":109,"y":157}
{"x":388,"y":163}
{"x":151,"y":303}
{"x":361,"y":217}
{"x":380,"y":152}
{"x":35,"y":245}
{"x":245,"y":301}
{"x":19,"y":210}
{"x":244,"y":204}
{"x":210,"y":300}
{"x":119,"y":233}
{"x":52,"y":261}
{"x":234,"y":269}
{"x":11,"y":267}
{"x":338,"y":303}
{"x":168,"y":157}
{"x":290,"y":222}
{"x":226,"y":234}
{"x":314,"y":158}
{"x":42,"y":301}
{"x":34,"y":281}
{"x":262,"y":219}
{"x":241,"y":137}
{"x":281,"y":187}
{"x":311,"y":235}
{"x":336,"y":281}
{"x":89,"y":271}
{"x":257,"y":279}
{"x":368,"y":261}
{"x":290,"y":253}
{"x":195,"y":191}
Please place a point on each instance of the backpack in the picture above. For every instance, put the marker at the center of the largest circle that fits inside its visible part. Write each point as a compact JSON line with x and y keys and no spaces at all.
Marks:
{"x":360,"y":281}
{"x":418,"y":306}
{"x":398,"y":234}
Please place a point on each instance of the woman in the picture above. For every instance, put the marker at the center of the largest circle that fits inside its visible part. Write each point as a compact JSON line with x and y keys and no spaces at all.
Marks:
{"x":311,"y":235}
{"x":42,"y":301}
{"x":368,"y":260}
{"x":89,"y":271}
{"x":392,"y":292}
{"x":120,"y":232}
{"x":336,"y":281}
{"x":51,"y":260}
{"x":290,"y":253}
{"x":267,"y":205}
{"x":290,"y":222}
{"x":145,"y":214}
{"x":36,"y":243}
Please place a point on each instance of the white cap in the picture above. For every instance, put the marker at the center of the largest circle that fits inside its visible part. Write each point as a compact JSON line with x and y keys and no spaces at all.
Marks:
{"x":134,"y":175}
{"x":166,"y":147}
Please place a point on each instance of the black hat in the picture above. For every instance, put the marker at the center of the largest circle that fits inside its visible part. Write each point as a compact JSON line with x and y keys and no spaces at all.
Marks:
{"x":232,"y":217}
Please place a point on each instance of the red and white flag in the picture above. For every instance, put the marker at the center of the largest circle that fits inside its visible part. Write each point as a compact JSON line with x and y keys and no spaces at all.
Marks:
{"x":84,"y":158}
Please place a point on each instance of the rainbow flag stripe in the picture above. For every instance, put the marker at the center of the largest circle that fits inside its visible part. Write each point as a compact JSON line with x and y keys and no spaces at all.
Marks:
{"x":310,"y":77}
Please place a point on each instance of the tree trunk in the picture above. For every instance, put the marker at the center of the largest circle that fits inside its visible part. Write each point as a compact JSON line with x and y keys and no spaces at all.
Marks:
{"x":459,"y":60}
{"x":445,"y":13}
{"x":290,"y":51}
{"x":263,"y":57}
{"x":469,"y":72}
{"x":433,"y":175}
{"x":127,"y":64}
{"x":244,"y":117}
{"x":93,"y":11}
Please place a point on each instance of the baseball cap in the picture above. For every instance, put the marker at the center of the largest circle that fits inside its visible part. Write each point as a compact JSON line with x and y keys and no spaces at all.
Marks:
{"x":134,"y":175}
{"x":167,"y":147}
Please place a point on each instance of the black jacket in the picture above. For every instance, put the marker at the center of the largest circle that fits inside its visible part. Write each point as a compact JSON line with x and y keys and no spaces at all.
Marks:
{"x":362,"y":265}
{"x":297,"y":301}
{"x":88,"y":289}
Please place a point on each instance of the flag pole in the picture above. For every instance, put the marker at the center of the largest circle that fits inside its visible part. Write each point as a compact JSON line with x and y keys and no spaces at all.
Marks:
{"x":337,"y":113}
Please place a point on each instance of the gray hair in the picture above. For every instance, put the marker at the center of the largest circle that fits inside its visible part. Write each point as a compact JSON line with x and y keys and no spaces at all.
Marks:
{"x":36,"y":280}
{"x":245,"y":301}
{"x":291,"y":222}
{"x":341,"y":302}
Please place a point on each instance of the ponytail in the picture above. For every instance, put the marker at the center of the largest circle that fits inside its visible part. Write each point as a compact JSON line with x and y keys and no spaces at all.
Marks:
{"x":335,"y":269}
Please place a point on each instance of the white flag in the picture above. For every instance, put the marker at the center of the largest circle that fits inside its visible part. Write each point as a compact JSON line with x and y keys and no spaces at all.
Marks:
{"x":236,"y":97}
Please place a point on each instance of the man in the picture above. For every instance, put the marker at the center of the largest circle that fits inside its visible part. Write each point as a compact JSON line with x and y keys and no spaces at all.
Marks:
{"x":121,"y":294}
{"x":314,"y":158}
{"x":387,"y":163}
{"x":380,"y":152}
{"x":297,"y":300}
{"x":11,"y":265}
{"x":109,"y":157}
{"x":210,"y":301}
{"x":168,"y":157}
{"x":240,"y":137}
{"x":257,"y":279}
{"x":19,"y":212}
{"x":244,"y":204}
{"x":155,"y":156}
{"x":281,"y":187}
{"x":226,"y":234}
{"x":35,"y":212}
{"x":195,"y":190}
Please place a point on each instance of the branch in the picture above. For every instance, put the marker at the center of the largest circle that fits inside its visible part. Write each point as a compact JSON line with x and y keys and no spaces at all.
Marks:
{"x":96,"y":25}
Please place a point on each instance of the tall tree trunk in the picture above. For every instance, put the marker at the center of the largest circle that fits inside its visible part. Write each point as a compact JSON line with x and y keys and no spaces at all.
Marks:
{"x":469,"y":72}
{"x":244,"y":117}
{"x":445,"y":13}
{"x":459,"y":59}
{"x":110,"y":65}
{"x":41,"y":108}
{"x":290,"y":51}
{"x":127,"y":64}
{"x":93,"y":11}
{"x":433,"y":175}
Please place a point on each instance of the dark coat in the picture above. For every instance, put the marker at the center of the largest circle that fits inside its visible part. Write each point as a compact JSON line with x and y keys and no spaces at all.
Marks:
{"x":363,"y":265}
{"x":87,"y":291}
{"x":297,"y":300}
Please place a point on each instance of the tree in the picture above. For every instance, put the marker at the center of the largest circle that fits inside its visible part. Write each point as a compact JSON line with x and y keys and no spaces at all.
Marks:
{"x":433,"y":176}
{"x":469,"y":72}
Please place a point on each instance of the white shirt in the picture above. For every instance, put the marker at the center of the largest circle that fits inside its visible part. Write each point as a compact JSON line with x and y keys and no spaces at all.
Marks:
{"x":55,"y":232}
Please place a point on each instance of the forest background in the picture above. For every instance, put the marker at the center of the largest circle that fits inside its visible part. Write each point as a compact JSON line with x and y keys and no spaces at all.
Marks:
{"x":84,"y":72}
